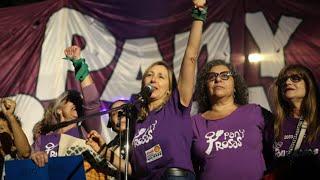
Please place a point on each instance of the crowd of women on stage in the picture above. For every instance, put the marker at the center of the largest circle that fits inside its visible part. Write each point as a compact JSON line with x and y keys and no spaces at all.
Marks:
{"x":228,"y":138}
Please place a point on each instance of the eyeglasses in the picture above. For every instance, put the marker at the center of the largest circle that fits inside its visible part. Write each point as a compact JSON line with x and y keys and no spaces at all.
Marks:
{"x":225,"y":75}
{"x":295,"y":78}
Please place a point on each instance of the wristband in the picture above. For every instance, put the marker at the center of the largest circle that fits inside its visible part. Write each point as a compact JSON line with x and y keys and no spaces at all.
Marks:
{"x":199,"y":13}
{"x":81,"y":68}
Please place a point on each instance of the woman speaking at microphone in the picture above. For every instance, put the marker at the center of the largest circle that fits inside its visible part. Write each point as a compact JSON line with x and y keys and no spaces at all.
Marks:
{"x":162,"y":133}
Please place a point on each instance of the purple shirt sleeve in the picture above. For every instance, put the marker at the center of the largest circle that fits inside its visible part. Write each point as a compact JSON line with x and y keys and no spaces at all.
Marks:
{"x":91,"y":105}
{"x":176,"y":104}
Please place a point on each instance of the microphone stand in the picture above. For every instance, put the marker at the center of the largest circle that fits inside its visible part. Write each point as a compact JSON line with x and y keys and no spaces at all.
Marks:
{"x":120,"y":142}
{"x":128,"y":112}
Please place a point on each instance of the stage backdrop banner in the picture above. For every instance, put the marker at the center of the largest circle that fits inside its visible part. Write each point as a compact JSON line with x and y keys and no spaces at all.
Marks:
{"x":120,"y":39}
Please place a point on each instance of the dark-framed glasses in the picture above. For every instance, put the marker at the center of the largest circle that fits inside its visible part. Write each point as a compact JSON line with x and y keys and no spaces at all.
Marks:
{"x":225,"y":75}
{"x":295,"y":78}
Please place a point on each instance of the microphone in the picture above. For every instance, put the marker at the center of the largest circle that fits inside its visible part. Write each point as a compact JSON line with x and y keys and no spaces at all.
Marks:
{"x":146,"y":92}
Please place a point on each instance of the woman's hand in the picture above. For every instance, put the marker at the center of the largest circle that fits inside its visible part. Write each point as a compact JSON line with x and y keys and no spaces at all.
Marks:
{"x":40,"y":158}
{"x":8,"y":106}
{"x":95,"y":140}
{"x":73,"y":52}
{"x":199,"y":3}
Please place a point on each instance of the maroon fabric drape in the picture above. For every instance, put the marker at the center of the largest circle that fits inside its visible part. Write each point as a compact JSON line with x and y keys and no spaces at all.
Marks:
{"x":22,"y":33}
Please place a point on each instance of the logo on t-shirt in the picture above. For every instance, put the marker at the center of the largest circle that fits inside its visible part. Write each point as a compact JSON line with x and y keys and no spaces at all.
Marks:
{"x":280,"y":150}
{"x":153,"y":153}
{"x":222,"y":140}
{"x":144,"y":135}
{"x":51,"y":149}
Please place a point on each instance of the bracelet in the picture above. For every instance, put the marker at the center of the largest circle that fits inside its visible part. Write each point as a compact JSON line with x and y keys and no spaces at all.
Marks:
{"x":80,"y":66}
{"x":199,"y":13}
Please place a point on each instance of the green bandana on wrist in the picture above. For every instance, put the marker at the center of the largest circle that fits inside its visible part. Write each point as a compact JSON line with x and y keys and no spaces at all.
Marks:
{"x":199,"y":13}
{"x":81,"y":68}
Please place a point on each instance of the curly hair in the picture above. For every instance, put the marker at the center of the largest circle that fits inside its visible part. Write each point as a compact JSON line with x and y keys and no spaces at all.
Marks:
{"x":241,"y":94}
{"x":310,"y":103}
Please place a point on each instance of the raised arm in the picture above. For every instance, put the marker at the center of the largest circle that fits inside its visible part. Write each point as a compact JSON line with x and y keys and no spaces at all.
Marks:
{"x":19,"y":137}
{"x":90,"y":93}
{"x":82,"y":74}
{"x":188,"y":66}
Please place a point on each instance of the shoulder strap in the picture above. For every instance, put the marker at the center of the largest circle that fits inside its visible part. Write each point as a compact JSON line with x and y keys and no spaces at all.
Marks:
{"x":300,"y":132}
{"x":301,"y":135}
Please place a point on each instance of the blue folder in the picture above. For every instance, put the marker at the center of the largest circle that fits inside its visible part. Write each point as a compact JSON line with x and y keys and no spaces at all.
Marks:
{"x":57,"y":168}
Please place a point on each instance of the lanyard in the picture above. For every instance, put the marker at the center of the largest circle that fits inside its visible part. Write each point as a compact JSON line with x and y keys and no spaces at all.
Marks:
{"x":300,"y":131}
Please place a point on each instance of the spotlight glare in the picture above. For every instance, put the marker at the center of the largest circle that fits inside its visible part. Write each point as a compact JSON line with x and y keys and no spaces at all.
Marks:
{"x":255,"y":57}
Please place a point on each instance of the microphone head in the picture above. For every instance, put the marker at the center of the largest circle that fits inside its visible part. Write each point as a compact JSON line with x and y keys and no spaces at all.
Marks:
{"x":149,"y":87}
{"x":147,"y":91}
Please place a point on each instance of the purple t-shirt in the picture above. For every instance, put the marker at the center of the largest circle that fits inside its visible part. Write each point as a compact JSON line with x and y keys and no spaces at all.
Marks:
{"x":230,"y":148}
{"x":50,"y":142}
{"x":281,"y":147}
{"x":163,"y":140}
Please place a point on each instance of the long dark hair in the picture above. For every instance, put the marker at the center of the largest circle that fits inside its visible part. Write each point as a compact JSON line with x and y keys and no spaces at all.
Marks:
{"x":310,"y":104}
{"x":201,"y":92}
